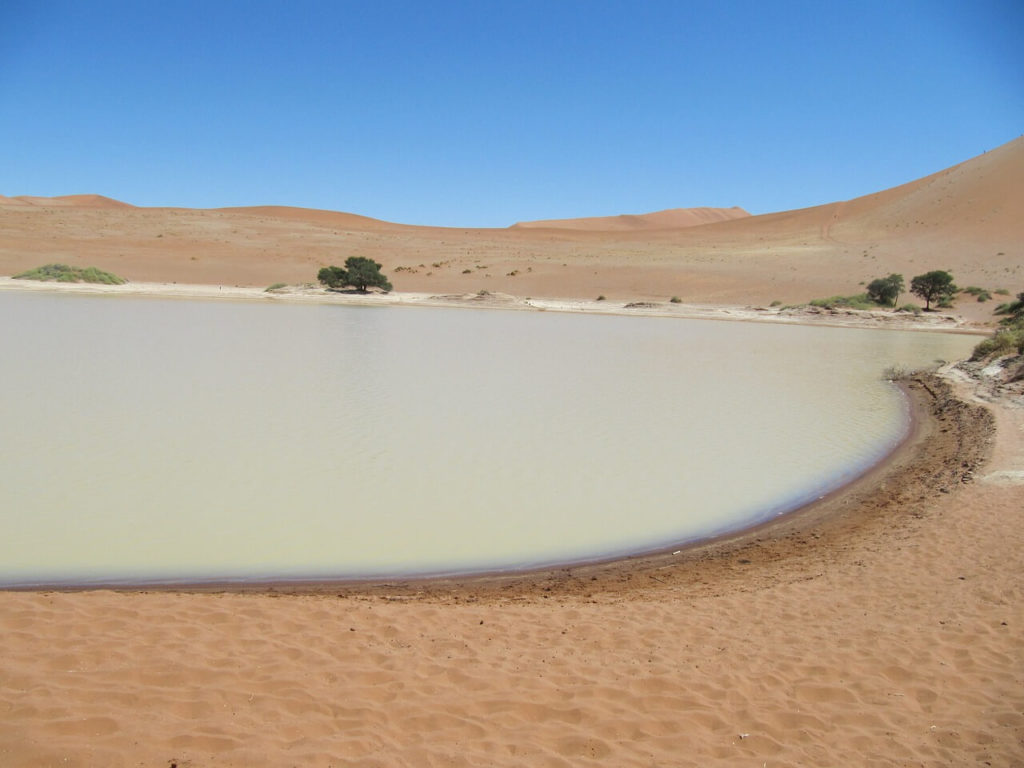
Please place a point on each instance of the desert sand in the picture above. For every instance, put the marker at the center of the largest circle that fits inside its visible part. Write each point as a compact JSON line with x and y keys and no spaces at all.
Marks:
{"x":966,"y":219}
{"x":881,"y":627}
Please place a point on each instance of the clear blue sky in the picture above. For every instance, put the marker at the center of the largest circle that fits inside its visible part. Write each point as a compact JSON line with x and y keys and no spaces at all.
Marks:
{"x":477,"y":113}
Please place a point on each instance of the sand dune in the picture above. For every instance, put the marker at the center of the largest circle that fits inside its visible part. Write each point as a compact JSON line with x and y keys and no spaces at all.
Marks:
{"x":673,"y":218}
{"x":65,"y":201}
{"x":969,"y":219}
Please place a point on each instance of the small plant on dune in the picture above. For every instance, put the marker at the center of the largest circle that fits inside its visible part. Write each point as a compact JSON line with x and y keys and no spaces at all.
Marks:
{"x":980,"y":294}
{"x":62,"y":273}
{"x":896,"y":373}
{"x":860,"y":301}
{"x":1005,"y":341}
{"x":1015,"y":310}
{"x":676,"y":300}
{"x":274,"y":287}
{"x":601,"y":297}
{"x":1009,"y":339}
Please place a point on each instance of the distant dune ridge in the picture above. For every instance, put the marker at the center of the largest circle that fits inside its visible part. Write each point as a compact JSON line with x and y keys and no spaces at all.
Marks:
{"x":64,"y":201}
{"x":968,"y":219}
{"x":672,"y":218}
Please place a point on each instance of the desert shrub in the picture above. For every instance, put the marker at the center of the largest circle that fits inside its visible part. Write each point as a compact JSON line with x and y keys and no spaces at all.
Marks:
{"x":775,"y":303}
{"x":62,"y":273}
{"x":910,"y":308}
{"x":860,"y":301}
{"x":1005,"y":341}
{"x":676,"y":300}
{"x":601,"y":297}
{"x":1015,"y":310}
{"x":981,"y":294}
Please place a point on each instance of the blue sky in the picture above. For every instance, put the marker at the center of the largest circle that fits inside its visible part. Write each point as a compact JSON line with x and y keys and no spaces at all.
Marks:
{"x":486,"y":113}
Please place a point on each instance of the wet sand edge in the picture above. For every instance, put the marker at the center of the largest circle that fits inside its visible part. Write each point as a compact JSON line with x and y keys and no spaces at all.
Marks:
{"x":949,"y":440}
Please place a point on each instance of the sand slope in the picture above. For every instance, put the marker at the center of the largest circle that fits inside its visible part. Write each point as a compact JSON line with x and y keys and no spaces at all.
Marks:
{"x":673,"y":218}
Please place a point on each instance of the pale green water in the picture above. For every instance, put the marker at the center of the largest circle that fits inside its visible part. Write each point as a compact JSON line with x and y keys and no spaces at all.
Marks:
{"x":153,"y":440}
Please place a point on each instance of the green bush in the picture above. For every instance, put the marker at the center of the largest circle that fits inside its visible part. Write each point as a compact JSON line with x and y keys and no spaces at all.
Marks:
{"x":62,"y":273}
{"x":981,"y":294}
{"x":676,"y":300}
{"x":1005,"y":341}
{"x":274,"y":287}
{"x":860,"y":301}
{"x":910,"y":308}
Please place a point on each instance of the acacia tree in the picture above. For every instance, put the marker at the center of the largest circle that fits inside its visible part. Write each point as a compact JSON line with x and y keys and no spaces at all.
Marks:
{"x":933,"y":285}
{"x":359,"y":272}
{"x":886,"y":290}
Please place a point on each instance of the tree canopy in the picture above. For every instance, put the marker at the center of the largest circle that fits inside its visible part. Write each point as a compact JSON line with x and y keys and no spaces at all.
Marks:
{"x":931,"y":286}
{"x":886,"y":290}
{"x":359,"y":272}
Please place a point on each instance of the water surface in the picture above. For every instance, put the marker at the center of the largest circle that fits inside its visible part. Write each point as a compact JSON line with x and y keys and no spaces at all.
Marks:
{"x":168,"y":440}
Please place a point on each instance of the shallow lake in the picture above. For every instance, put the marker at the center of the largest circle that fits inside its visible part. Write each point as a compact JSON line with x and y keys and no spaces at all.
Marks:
{"x":148,"y":440}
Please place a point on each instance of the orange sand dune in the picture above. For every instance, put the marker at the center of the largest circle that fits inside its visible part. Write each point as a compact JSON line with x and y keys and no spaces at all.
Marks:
{"x":310,"y":215}
{"x":65,"y":201}
{"x":968,"y":219}
{"x":673,"y":218}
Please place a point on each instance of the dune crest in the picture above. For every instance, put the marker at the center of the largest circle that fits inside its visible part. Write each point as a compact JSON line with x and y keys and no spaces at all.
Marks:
{"x":968,"y":219}
{"x":671,"y":218}
{"x":62,"y":201}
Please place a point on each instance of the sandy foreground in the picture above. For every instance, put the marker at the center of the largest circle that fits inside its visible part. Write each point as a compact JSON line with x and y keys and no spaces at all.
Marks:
{"x":882,"y":627}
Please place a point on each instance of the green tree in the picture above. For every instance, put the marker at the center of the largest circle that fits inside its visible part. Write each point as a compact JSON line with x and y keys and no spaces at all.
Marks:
{"x":359,"y":272}
{"x":931,"y":286}
{"x":886,"y":290}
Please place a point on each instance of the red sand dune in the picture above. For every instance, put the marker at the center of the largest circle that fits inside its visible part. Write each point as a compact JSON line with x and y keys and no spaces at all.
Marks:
{"x":968,"y":219}
{"x":64,"y":201}
{"x":672,"y":218}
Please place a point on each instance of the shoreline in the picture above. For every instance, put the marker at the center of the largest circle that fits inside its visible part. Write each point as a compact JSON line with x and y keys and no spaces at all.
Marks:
{"x":311,"y":295}
{"x":918,"y":454}
{"x":801,"y":518}
{"x":946,"y":438}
